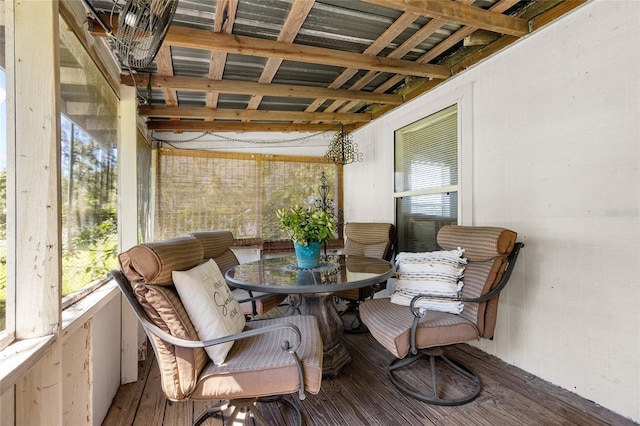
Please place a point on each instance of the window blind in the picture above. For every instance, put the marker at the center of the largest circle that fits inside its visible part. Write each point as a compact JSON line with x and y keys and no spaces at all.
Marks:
{"x":204,"y":190}
{"x":426,"y":179}
{"x":427,"y":153}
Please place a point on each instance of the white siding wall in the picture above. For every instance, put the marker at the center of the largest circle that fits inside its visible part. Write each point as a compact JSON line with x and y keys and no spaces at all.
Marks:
{"x":554,"y":155}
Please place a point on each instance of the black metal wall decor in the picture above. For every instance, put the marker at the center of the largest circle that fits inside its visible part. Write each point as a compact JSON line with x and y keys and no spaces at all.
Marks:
{"x":325,"y":203}
{"x":342,"y":150}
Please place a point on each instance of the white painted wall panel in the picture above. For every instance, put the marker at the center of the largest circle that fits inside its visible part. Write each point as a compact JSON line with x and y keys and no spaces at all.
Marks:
{"x":554,"y":155}
{"x":105,"y":342}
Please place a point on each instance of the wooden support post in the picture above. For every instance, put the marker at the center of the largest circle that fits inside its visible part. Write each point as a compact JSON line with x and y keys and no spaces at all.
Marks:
{"x":36,"y":236}
{"x":128,"y":221}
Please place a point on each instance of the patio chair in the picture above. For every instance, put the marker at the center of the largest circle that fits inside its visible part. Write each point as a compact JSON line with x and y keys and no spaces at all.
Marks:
{"x":412,"y":333}
{"x":216,"y":245}
{"x":373,"y":239}
{"x":268,"y":359}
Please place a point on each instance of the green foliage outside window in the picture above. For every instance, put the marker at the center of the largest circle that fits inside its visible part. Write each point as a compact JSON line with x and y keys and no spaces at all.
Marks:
{"x":89,"y":218}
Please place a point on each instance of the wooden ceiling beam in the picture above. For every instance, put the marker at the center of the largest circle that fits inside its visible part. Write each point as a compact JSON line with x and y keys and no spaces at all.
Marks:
{"x":297,"y":15}
{"x":243,"y":45}
{"x":390,"y":34}
{"x":164,"y":63}
{"x":165,"y":68}
{"x":446,"y":44}
{"x":418,"y":37}
{"x":242,"y":114}
{"x":221,"y":126}
{"x":460,"y":14}
{"x":223,"y":22}
{"x":194,"y":84}
{"x":194,"y":38}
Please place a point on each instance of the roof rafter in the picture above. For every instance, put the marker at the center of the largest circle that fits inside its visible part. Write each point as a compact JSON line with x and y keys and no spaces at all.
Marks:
{"x":460,"y":14}
{"x":223,"y":22}
{"x":206,"y":40}
{"x":446,"y":44}
{"x":242,"y":114}
{"x":376,"y":47}
{"x":352,"y":64}
{"x":296,"y":17}
{"x":423,"y":33}
{"x":194,"y":84}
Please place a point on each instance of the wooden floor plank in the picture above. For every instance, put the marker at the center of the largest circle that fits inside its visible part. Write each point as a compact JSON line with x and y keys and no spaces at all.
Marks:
{"x":363,"y":395}
{"x":125,"y":404}
{"x":178,"y":413}
{"x":563,"y":406}
{"x":380,"y":393}
{"x":199,"y":407}
{"x":152,"y":403}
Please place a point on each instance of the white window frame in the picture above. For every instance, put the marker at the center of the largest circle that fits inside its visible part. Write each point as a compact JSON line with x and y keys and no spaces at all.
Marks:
{"x":463,"y":97}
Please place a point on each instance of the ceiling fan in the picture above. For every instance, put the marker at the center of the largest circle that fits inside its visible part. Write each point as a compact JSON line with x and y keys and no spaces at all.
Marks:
{"x":142,"y":26}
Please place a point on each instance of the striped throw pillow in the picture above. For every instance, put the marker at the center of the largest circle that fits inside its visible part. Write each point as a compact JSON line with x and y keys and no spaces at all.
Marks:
{"x":437,"y":273}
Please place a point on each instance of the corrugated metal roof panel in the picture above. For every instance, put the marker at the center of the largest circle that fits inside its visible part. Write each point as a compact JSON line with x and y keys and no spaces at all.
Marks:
{"x":342,"y":25}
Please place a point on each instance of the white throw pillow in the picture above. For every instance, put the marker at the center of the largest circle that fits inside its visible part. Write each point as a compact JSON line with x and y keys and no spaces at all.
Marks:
{"x":210,"y":305}
{"x":437,"y":273}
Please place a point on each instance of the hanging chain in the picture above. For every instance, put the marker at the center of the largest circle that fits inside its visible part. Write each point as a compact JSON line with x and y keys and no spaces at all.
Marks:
{"x":251,"y":141}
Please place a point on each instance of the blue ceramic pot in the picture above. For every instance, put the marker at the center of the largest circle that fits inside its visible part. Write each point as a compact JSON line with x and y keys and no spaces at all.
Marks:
{"x":308,"y":256}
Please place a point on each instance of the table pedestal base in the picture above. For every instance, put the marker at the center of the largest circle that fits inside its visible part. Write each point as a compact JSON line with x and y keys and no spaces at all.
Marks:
{"x":320,"y":305}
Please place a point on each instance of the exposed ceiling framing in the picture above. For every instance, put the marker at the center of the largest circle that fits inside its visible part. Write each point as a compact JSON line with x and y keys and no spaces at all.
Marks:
{"x":308,"y":66}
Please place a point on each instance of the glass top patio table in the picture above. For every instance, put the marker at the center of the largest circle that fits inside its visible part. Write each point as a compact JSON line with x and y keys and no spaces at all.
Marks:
{"x":335,"y":273}
{"x":311,"y":292}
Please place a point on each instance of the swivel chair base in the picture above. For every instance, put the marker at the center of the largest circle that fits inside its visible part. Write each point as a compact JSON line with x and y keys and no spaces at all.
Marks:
{"x":435,"y":354}
{"x":245,"y":405}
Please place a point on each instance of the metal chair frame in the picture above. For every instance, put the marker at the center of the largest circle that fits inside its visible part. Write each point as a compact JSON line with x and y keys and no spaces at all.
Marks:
{"x":435,"y":353}
{"x":241,"y":404}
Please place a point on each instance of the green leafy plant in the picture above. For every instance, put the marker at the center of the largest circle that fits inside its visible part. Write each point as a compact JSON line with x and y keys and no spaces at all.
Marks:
{"x":305,"y":225}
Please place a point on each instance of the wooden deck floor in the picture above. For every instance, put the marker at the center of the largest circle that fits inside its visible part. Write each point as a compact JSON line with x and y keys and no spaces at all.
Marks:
{"x":362,"y":395}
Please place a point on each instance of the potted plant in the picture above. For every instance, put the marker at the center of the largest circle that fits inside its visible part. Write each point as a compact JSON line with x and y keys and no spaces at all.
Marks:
{"x":308,"y":228}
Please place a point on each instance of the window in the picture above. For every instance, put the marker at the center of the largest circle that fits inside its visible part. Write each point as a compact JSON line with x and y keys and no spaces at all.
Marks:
{"x":426,"y":183}
{"x":199,"y":190}
{"x":88,"y":128}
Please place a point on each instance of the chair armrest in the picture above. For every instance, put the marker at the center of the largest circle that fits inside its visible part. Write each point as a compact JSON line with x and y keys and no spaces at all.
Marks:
{"x":285,"y":345}
{"x":488,"y":296}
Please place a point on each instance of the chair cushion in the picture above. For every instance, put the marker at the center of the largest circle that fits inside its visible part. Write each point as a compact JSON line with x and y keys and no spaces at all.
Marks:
{"x":215,"y":245}
{"x":480,"y":243}
{"x":210,"y":305}
{"x":486,"y":249}
{"x":436,"y":273}
{"x":368,"y":239}
{"x":390,"y":324}
{"x":152,"y":263}
{"x":256,"y":366}
{"x":179,"y":367}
